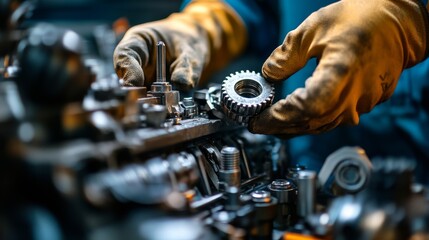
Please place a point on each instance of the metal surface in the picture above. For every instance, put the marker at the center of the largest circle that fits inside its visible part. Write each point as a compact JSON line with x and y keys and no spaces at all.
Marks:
{"x":261,"y":196}
{"x":245,"y":94}
{"x":306,"y":193}
{"x":351,"y":168}
{"x":265,"y":212}
{"x":229,"y":172}
{"x":163,"y":89}
{"x":286,"y":193}
{"x":161,"y":62}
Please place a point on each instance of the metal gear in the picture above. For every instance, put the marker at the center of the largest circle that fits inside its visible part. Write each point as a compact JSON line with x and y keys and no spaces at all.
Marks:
{"x":244,"y":95}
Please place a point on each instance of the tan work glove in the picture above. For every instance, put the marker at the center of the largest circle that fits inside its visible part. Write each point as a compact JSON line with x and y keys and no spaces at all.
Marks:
{"x":200,"y":39}
{"x":362,"y":46}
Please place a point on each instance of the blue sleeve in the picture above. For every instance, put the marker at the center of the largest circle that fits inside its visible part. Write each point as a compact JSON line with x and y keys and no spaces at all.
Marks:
{"x":425,"y":1}
{"x":261,"y":19}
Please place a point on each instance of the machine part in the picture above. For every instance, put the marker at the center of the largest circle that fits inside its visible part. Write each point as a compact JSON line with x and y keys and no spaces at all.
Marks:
{"x":260,"y":196}
{"x":286,"y":193}
{"x":147,"y":183}
{"x":189,"y":107}
{"x":386,"y":209}
{"x":204,"y":184}
{"x":306,"y":193}
{"x":153,"y":115}
{"x":11,"y":106}
{"x":244,"y":95}
{"x":265,"y":212}
{"x":292,"y":173}
{"x":350,"y":167}
{"x":161,"y":88}
{"x":161,"y":62}
{"x":244,"y":157}
{"x":205,"y":202}
{"x":232,"y":198}
{"x":229,"y":172}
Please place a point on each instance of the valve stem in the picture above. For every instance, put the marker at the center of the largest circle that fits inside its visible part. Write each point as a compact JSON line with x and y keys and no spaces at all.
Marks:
{"x":161,"y":62}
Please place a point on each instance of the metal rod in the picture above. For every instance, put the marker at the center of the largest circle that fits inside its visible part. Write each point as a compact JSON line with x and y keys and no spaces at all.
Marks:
{"x":252,"y":180}
{"x":161,"y":62}
{"x":306,"y":192}
{"x":206,"y":201}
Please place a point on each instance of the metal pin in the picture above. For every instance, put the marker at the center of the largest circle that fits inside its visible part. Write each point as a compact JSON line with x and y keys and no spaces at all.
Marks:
{"x":160,"y":62}
{"x":306,"y":192}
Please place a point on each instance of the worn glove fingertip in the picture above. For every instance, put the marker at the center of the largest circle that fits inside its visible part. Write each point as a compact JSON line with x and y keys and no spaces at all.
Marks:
{"x":268,"y":73}
{"x":183,"y":80}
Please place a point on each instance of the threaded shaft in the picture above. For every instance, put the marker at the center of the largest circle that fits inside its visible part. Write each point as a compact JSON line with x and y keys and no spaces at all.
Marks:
{"x":230,"y":159}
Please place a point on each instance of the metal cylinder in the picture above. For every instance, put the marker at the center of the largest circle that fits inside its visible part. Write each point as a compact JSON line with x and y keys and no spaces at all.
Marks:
{"x":286,"y":193}
{"x":161,"y":62}
{"x":229,"y":173}
{"x":306,"y":193}
{"x":265,"y":212}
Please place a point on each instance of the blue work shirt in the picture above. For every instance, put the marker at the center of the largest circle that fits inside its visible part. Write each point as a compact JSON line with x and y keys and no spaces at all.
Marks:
{"x":397,"y":128}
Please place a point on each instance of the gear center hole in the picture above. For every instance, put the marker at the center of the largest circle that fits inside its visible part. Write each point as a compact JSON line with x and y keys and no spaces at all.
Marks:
{"x":248,"y":88}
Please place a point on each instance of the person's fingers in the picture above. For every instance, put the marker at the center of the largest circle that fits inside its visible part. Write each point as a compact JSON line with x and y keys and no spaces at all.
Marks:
{"x":187,"y":68}
{"x":130,"y":58}
{"x":300,"y":45}
{"x":318,"y":107}
{"x":286,"y":59}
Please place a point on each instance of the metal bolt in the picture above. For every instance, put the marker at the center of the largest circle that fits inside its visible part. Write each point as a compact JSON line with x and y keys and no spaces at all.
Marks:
{"x":230,"y":159}
{"x":229,"y":172}
{"x":260,"y":196}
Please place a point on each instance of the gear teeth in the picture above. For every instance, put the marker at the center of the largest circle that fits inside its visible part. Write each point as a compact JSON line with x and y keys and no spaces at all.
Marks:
{"x":241,"y":108}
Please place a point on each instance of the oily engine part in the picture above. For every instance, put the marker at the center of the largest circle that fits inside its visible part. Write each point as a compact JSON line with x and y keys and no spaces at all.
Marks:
{"x":245,"y":94}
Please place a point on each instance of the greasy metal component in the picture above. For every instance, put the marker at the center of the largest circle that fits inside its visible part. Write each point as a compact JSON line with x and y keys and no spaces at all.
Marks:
{"x":189,"y":107}
{"x":244,"y":157}
{"x":229,"y":172}
{"x":232,"y":198}
{"x":206,"y":201}
{"x":292,"y":172}
{"x":383,"y":210}
{"x":146,"y":183}
{"x":244,"y":95}
{"x":306,"y":193}
{"x":161,"y":62}
{"x":351,"y":168}
{"x":261,"y":196}
{"x":162,"y":89}
{"x":153,"y":115}
{"x":204,"y":183}
{"x":212,"y":157}
{"x":265,"y":212}
{"x":286,"y":193}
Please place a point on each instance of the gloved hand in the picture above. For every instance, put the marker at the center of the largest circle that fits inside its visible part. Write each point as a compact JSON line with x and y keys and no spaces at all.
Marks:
{"x":361,"y":46}
{"x":200,"y":39}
